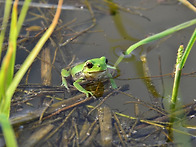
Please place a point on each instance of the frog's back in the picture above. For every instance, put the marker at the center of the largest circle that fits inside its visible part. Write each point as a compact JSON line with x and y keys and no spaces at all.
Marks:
{"x":77,"y":69}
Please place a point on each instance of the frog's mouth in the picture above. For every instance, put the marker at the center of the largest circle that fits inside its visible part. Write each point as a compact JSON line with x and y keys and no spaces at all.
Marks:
{"x":91,"y":72}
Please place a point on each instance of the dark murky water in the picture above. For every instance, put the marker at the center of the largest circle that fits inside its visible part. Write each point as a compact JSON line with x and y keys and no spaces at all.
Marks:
{"x":113,"y":34}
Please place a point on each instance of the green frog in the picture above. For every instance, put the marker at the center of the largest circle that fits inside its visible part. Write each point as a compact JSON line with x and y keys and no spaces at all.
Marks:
{"x":92,"y":70}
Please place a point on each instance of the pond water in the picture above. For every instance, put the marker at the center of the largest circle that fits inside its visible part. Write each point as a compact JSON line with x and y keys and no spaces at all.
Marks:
{"x":110,"y":36}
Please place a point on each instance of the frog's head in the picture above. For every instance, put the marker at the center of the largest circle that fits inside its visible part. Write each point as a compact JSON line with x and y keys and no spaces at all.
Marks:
{"x":95,"y":67}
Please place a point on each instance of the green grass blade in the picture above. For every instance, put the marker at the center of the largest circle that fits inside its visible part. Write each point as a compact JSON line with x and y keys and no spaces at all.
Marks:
{"x":8,"y":5}
{"x":12,"y":44}
{"x":7,"y":9}
{"x":29,"y":60}
{"x":175,"y":87}
{"x":188,"y":49}
{"x":179,"y":65}
{"x":156,"y":37}
{"x":8,"y":132}
{"x":23,"y":15}
{"x":3,"y":78}
{"x":7,"y":74}
{"x":161,"y":35}
{"x":180,"y":62}
{"x":7,"y":68}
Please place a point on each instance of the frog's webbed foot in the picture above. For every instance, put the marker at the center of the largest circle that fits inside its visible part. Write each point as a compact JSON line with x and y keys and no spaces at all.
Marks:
{"x":64,"y":75}
{"x":65,"y":85}
{"x":88,"y":94}
{"x":81,"y":89}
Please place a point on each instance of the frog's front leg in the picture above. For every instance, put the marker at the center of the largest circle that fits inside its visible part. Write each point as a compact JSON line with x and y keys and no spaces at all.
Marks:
{"x":112,"y":81}
{"x":81,"y":89}
{"x":64,"y":75}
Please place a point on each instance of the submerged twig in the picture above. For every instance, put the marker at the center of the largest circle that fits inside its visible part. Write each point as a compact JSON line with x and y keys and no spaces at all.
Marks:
{"x":105,"y":122}
{"x":83,"y":131}
{"x":103,"y":100}
{"x":37,"y":136}
{"x":64,"y":121}
{"x":120,"y":127}
{"x":188,"y":4}
{"x":76,"y":132}
{"x":92,"y":136}
{"x":89,"y":132}
{"x":118,"y":133}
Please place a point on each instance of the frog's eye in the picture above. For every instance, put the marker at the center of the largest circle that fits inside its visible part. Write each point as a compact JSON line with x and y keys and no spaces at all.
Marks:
{"x":89,"y":64}
{"x":106,"y":61}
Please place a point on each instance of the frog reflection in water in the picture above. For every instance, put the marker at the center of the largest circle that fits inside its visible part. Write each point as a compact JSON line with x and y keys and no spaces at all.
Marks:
{"x":92,"y":70}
